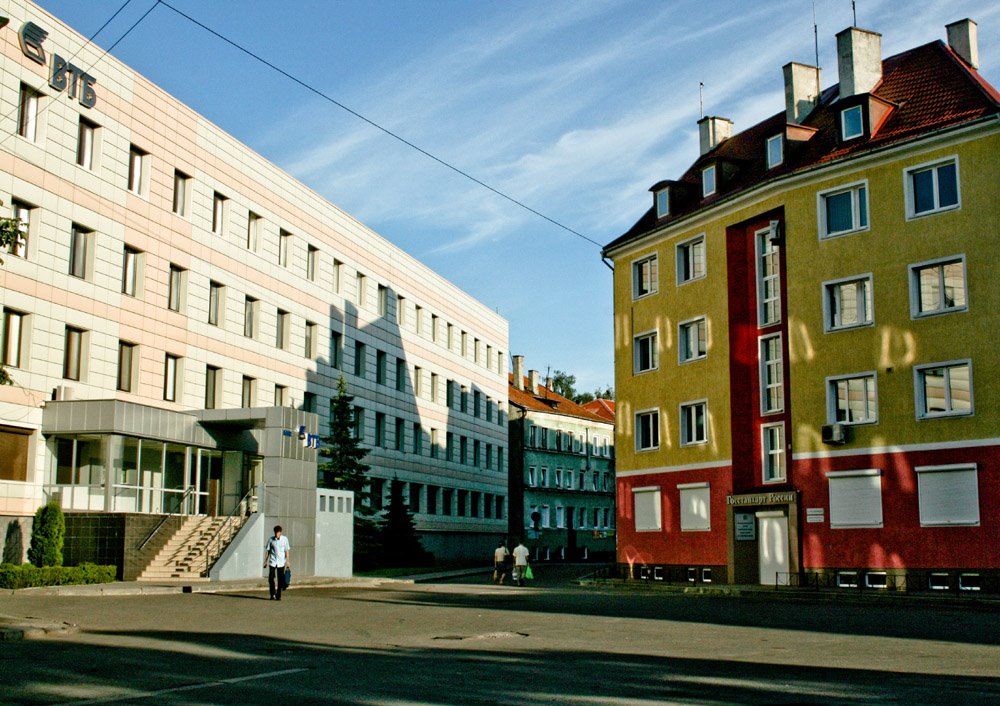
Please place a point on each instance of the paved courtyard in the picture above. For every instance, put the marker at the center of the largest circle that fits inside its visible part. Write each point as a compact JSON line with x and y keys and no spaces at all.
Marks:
{"x":472,"y":642}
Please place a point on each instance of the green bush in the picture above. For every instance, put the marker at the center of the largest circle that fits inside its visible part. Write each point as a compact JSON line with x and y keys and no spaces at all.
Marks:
{"x":29,"y":576}
{"x":47,"y":535}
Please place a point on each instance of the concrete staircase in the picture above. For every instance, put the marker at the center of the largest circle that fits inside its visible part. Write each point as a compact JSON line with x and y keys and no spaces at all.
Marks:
{"x":183,"y":557}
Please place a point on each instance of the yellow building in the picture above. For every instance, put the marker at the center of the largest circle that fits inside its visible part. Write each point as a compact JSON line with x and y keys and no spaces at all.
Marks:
{"x":805,"y":327}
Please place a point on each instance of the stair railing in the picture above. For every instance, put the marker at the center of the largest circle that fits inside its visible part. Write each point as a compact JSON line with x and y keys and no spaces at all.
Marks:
{"x":241,"y":509}
{"x":190,"y":489}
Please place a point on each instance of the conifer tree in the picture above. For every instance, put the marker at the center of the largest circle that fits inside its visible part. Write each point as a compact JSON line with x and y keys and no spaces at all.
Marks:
{"x":400,"y":544}
{"x":48,"y":533}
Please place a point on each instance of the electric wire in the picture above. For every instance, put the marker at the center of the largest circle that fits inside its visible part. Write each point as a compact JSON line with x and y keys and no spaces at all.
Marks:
{"x":377,"y":126}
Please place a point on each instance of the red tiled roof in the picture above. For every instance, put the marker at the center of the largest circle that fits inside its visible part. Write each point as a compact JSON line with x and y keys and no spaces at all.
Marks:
{"x":929,"y":87}
{"x":547,"y":401}
{"x":602,"y":408}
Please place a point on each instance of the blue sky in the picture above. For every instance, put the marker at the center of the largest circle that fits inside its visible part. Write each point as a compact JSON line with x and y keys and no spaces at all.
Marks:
{"x":574,"y":108}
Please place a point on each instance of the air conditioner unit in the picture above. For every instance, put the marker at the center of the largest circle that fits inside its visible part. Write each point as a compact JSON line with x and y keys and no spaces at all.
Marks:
{"x":834,"y":434}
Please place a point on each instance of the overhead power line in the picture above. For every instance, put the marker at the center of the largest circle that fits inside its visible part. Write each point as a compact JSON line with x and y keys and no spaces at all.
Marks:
{"x":377,"y":126}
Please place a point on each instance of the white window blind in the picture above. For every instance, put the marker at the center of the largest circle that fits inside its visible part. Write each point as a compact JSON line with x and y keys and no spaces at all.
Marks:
{"x":949,"y":495}
{"x":647,"y":508}
{"x":695,"y":505}
{"x":855,"y":498}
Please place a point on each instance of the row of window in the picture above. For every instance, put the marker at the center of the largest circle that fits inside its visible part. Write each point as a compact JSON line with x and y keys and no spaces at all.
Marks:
{"x":568,"y":479}
{"x":568,"y":441}
{"x":427,"y":499}
{"x":458,"y":448}
{"x":138,"y":180}
{"x":559,"y":517}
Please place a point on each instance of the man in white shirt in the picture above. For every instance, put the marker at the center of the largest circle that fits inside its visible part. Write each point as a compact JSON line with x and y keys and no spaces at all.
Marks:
{"x":277,"y":557}
{"x":520,"y":562}
{"x":500,"y":557}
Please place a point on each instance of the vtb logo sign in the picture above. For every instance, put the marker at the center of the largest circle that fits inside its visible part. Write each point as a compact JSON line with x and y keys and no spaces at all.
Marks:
{"x":63,"y":76}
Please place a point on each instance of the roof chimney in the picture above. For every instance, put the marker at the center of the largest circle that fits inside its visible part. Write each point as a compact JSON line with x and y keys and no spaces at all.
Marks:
{"x":859,"y":60}
{"x":712,"y":131}
{"x":533,"y":381}
{"x":519,"y":372}
{"x":801,"y":91}
{"x":548,"y":382}
{"x":963,"y":39}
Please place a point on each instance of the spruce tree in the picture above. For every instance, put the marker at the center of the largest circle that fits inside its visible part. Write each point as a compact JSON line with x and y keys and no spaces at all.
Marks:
{"x":400,"y":544}
{"x":342,"y":468}
{"x":47,"y":535}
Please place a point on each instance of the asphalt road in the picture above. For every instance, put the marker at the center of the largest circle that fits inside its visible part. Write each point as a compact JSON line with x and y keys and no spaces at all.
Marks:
{"x":473,"y":642}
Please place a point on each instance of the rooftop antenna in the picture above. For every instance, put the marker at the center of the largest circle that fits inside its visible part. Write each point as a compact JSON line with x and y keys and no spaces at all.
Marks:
{"x":816,"y":35}
{"x":854,"y":12}
{"x":701,"y":98}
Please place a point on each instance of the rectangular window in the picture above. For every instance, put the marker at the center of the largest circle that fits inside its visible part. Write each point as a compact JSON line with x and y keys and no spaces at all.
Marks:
{"x":434,"y":327}
{"x":851,"y":399}
{"x":692,"y":339}
{"x":489,"y":409}
{"x":768,"y":279}
{"x":708,"y":184}
{"x":476,"y":398}
{"x":73,"y":353}
{"x":309,"y":342}
{"x":251,"y":307}
{"x":647,"y":430}
{"x":400,"y":310}
{"x":383,"y":300}
{"x":284,"y":247}
{"x":499,"y":459}
{"x":475,"y":453}
{"x":182,"y":194}
{"x":847,"y":303}
{"x":20,"y":212}
{"x":772,"y":384}
{"x":852,"y":123}
{"x":775,"y":151}
{"x":360,"y":364}
{"x":418,"y":438}
{"x":312,"y":262}
{"x":336,"y":350}
{"x":14,"y":455}
{"x":691,"y":262}
{"x":359,"y":423}
{"x":136,"y":170}
{"x":449,"y":446}
{"x":932,"y":188}
{"x":662,"y":199}
{"x":248,"y":389}
{"x":855,"y":498}
{"x":254,"y":225}
{"x":171,"y":367}
{"x":400,"y":433}
{"x":175,"y":288}
{"x":80,"y":251}
{"x":280,"y":395}
{"x":281,"y":329}
{"x":216,"y":303}
{"x":773,"y":452}
{"x":695,"y":502}
{"x":381,"y":366}
{"x":434,"y":387}
{"x":464,"y":400}
{"x":13,"y":338}
{"x":418,"y":318}
{"x":219,"y":208}
{"x":130,"y":271}
{"x":126,"y":356}
{"x":435,"y":445}
{"x":86,"y":133}
{"x":644,"y":352}
{"x":645,"y":277}
{"x":27,"y":113}
{"x":694,"y":423}
{"x":465,"y":344}
{"x":938,"y":287}
{"x":213,"y":377}
{"x":338,"y":268}
{"x":400,"y":375}
{"x":489,"y":457}
{"x":842,"y":210}
{"x":948,"y":495}
{"x":463,"y":449}
{"x":648,"y":509}
{"x":360,"y":285}
{"x":944,"y":389}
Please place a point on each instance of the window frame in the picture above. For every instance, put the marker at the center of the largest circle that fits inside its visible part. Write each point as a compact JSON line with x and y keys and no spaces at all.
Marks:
{"x":914,"y":284}
{"x":928,"y":471}
{"x":654,"y":277}
{"x":181,"y":205}
{"x":13,"y":338}
{"x":683,"y":339}
{"x":656,"y":497}
{"x":764,"y":247}
{"x":28,"y":109}
{"x":684,"y":260}
{"x":21,"y":211}
{"x":175,"y":287}
{"x":779,"y":140}
{"x":684,"y":428}
{"x":767,"y":453}
{"x":216,"y":303}
{"x":138,"y":171}
{"x":131,"y":267}
{"x":705,"y":172}
{"x":837,"y":522}
{"x":87,"y":144}
{"x":127,"y":369}
{"x":828,"y":292}
{"x":220,"y":207}
{"x":832,"y":397}
{"x":919,"y":397}
{"x":80,"y":251}
{"x":650,"y":338}
{"x":764,"y":386}
{"x":910,"y":196}
{"x":661,"y":201}
{"x":74,"y":365}
{"x":858,"y":213}
{"x":652,"y":413}
{"x":694,"y":491}
{"x":853,"y":110}
{"x":171,"y":378}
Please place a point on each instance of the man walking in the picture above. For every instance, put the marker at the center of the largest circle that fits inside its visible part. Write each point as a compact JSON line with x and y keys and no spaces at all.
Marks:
{"x":520,"y":562}
{"x":277,"y":557}
{"x":500,"y":558}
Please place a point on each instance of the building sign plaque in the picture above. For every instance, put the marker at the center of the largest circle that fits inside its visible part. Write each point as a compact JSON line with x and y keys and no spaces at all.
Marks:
{"x":746,"y":528}
{"x":762,"y":499}
{"x":63,"y":76}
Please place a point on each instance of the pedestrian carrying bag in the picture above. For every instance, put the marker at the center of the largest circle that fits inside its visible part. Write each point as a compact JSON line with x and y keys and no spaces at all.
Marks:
{"x":528,"y":574}
{"x":286,"y":578}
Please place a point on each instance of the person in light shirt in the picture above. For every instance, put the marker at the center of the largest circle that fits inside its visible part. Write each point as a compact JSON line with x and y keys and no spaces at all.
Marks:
{"x":500,"y":559}
{"x":277,"y":557}
{"x":520,"y":562}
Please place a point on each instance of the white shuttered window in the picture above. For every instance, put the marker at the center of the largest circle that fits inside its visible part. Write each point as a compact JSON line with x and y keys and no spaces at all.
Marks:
{"x":949,"y":495}
{"x":855,"y":498}
{"x":647,"y":509}
{"x":695,"y":507}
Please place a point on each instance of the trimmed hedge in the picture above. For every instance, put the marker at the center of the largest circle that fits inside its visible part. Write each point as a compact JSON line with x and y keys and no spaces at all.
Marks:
{"x":29,"y":576}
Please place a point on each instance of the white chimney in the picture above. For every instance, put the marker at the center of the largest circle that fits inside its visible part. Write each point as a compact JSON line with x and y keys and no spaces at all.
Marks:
{"x":548,"y":382}
{"x":859,"y":61}
{"x":712,"y":131}
{"x":533,"y":381}
{"x":801,"y":91}
{"x":963,"y":39}
{"x":519,"y":372}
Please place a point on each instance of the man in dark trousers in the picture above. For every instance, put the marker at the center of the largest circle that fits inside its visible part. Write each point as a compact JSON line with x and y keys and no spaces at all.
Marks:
{"x":277,"y":556}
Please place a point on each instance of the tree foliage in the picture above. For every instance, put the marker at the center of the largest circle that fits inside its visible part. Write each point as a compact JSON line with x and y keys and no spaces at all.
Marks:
{"x":47,"y":536}
{"x":399,"y":542}
{"x":565,"y":384}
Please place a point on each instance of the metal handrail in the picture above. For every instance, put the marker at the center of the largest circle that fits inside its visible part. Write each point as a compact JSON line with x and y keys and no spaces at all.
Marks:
{"x":225,"y":523}
{"x":190,"y":489}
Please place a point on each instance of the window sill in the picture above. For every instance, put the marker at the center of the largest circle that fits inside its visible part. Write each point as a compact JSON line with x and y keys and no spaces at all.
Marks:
{"x":692,"y":360}
{"x":915,"y":316}
{"x":682,"y":282}
{"x":943,"y":415}
{"x":637,"y":297}
{"x":852,"y":327}
{"x":842,"y":233}
{"x":936,"y":211}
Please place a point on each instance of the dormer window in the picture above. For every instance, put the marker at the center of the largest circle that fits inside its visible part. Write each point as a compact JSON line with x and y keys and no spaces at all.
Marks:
{"x":852,"y":123}
{"x":708,"y":181}
{"x":775,"y":151}
{"x":662,"y":199}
